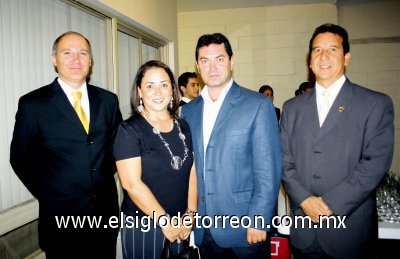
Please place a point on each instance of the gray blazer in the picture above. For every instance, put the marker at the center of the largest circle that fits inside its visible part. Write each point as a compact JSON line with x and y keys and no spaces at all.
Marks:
{"x":343,"y":162}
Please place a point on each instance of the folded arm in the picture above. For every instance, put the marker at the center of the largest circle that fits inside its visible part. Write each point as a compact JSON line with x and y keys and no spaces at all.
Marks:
{"x":192,"y":203}
{"x":130,"y":172}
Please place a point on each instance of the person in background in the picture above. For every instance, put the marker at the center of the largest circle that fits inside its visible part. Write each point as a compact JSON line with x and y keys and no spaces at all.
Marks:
{"x":62,"y":152}
{"x":269,"y":92}
{"x":237,"y":152}
{"x":309,"y":86}
{"x":337,"y":143}
{"x":153,"y":149}
{"x":303,"y":87}
{"x":189,"y":87}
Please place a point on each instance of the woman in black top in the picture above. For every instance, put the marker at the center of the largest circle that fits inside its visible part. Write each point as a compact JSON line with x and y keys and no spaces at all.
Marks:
{"x":153,"y":149}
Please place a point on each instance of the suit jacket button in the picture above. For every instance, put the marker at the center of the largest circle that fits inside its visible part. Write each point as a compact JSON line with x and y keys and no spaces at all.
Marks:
{"x":93,"y":170}
{"x":316,"y":177}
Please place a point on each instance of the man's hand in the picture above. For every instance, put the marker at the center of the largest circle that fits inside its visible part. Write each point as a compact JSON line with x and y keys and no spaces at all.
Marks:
{"x":255,"y":235}
{"x":314,"y":207}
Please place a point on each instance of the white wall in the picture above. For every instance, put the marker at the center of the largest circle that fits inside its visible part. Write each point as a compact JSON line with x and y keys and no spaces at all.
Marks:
{"x":271,"y":44}
{"x":375,"y":52}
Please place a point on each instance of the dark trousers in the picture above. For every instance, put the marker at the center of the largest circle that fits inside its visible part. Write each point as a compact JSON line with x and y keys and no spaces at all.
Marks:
{"x":210,"y":250}
{"x":312,"y":252}
{"x":315,"y":251}
{"x":82,"y":245}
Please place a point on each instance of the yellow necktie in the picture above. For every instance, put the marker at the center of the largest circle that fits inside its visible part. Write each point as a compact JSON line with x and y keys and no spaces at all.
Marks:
{"x":78,"y":108}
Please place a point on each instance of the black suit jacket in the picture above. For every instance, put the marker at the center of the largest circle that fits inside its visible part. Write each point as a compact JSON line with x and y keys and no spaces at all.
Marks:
{"x":278,"y":114}
{"x":182,"y":102}
{"x":70,"y":172}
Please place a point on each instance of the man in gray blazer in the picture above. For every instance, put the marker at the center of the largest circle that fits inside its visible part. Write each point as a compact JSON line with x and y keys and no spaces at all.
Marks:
{"x":337,"y":143}
{"x":237,"y":154}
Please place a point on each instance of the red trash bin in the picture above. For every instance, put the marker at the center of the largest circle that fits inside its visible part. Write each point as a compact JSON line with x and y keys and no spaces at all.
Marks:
{"x":280,"y":248}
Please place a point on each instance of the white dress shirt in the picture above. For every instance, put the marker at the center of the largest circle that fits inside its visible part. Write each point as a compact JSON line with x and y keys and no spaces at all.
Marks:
{"x":84,"y":99}
{"x":185,"y":99}
{"x":332,"y":90}
{"x":210,"y":112}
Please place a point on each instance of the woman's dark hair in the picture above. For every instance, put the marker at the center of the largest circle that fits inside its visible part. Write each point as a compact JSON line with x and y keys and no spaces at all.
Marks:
{"x":215,"y":38}
{"x":335,"y":29}
{"x":135,"y":97}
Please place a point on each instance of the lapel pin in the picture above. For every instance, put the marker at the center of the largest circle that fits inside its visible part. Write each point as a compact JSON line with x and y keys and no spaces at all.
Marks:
{"x":341,"y":109}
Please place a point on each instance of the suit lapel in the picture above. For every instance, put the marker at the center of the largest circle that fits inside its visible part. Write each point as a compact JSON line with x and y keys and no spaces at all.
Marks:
{"x":197,"y":131}
{"x":230,"y":100}
{"x":61,"y":102}
{"x":309,"y":112}
{"x":94,"y":103}
{"x":340,"y":107}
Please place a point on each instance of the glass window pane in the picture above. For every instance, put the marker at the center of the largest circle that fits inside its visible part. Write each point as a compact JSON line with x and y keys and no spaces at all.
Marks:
{"x":149,"y":53}
{"x":27,"y":31}
{"x":128,"y":64}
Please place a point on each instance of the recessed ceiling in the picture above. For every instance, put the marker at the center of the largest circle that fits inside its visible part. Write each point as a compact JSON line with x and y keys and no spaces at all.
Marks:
{"x":203,"y":5}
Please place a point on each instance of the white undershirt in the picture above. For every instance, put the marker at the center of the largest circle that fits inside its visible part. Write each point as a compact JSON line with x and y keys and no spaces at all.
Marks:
{"x":185,"y":99}
{"x":68,"y":90}
{"x":210,"y":112}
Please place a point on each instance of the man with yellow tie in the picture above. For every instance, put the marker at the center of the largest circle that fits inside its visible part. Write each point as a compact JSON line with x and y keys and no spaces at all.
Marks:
{"x":62,"y":151}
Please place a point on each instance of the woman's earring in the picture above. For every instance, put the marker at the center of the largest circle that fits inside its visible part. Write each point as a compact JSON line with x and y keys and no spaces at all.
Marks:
{"x":140,"y":108}
{"x":171,"y":103}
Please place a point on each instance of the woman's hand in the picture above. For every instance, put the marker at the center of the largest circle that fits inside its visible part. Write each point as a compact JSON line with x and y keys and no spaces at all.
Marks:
{"x":187,"y":223}
{"x":172,"y":231}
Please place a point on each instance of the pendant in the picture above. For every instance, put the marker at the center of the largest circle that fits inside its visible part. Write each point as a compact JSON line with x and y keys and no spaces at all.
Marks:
{"x":176,"y":162}
{"x":156,"y":131}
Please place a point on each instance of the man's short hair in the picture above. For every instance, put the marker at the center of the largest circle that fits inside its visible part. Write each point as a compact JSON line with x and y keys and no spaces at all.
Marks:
{"x":183,"y":80}
{"x":265,"y":88}
{"x":215,"y":38}
{"x":335,"y":29}
{"x":70,"y":33}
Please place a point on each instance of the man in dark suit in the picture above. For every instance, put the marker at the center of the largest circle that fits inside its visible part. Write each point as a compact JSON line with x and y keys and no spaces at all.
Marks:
{"x":337,"y":143}
{"x":61,"y":151}
{"x":269,"y":92}
{"x":238,"y":157}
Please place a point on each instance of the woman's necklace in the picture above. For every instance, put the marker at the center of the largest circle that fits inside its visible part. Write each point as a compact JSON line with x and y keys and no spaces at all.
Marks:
{"x":176,"y":161}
